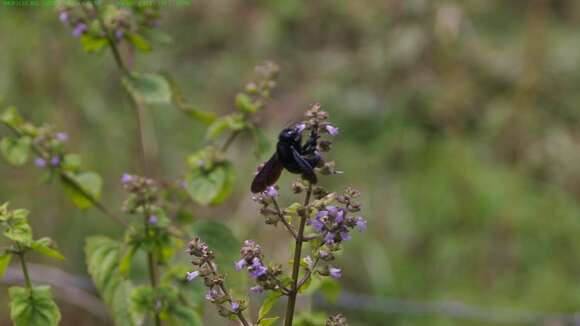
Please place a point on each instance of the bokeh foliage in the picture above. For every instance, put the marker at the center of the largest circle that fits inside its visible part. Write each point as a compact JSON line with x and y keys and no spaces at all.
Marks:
{"x":458,"y":123}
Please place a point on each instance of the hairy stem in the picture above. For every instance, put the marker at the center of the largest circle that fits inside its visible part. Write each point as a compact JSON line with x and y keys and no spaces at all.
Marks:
{"x":151,"y":264}
{"x":296,"y":263}
{"x":24,"y":267}
{"x":239,"y":314}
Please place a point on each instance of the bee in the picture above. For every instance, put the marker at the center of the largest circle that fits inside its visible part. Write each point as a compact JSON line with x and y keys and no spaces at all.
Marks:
{"x":291,"y":155}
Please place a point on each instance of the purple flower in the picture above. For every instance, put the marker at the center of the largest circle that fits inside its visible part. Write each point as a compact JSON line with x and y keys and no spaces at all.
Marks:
{"x":126,"y":178}
{"x":256,"y":289}
{"x":271,"y":192}
{"x":332,"y":211}
{"x":345,"y":236}
{"x":40,"y":162}
{"x":329,"y":238}
{"x":79,"y":29}
{"x":211,"y":295}
{"x":339,"y":217}
{"x":300,"y":127}
{"x":63,"y":16}
{"x":153,"y":220}
{"x":333,"y":131}
{"x":190,"y":276}
{"x":257,"y":269}
{"x":335,"y":272}
{"x":61,"y":136}
{"x":119,"y":34}
{"x":235,"y":306}
{"x":316,"y":224}
{"x":55,"y":161}
{"x":240,"y":264}
{"x":361,"y":224}
{"x":321,"y":214}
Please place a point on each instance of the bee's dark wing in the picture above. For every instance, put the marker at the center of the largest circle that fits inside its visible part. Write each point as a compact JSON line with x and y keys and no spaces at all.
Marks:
{"x":268,"y":175}
{"x":306,"y":169}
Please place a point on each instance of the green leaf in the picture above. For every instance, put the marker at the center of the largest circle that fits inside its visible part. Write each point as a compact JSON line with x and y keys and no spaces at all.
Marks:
{"x":268,"y":321}
{"x":181,"y":315}
{"x":139,"y":42}
{"x":79,"y":187}
{"x":91,"y":43}
{"x":103,"y":265}
{"x":46,"y":247}
{"x":126,"y":260}
{"x":143,"y":299}
{"x":267,"y":305}
{"x":210,"y":187}
{"x":199,"y":115}
{"x":15,"y":150}
{"x":33,"y":307}
{"x":263,"y":146}
{"x":229,"y":122}
{"x":328,"y":287}
{"x":225,"y":245}
{"x":11,"y":117}
{"x":148,"y":89}
{"x":16,"y":227}
{"x":244,"y":103}
{"x":5,"y":258}
{"x":71,"y":162}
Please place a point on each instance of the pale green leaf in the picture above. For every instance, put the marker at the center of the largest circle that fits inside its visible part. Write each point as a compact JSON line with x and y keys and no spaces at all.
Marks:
{"x":148,"y":89}
{"x":103,"y":265}
{"x":139,"y":42}
{"x":268,"y":303}
{"x":91,"y":43}
{"x":126,"y":260}
{"x":12,"y":117}
{"x":33,"y":307}
{"x":5,"y":258}
{"x":15,"y":150}
{"x":245,"y":103}
{"x":80,"y":187}
{"x":268,"y":321}
{"x":210,"y":187}
{"x":46,"y":247}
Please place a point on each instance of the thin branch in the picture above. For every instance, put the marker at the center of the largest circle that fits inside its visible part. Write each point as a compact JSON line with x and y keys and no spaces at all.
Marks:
{"x":296,"y":263}
{"x":225,"y":291}
{"x":283,"y":219}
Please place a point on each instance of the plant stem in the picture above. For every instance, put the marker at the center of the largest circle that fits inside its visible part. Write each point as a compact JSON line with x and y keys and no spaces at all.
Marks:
{"x":152,"y":265}
{"x":225,"y":291}
{"x":24,"y":267}
{"x":296,"y":263}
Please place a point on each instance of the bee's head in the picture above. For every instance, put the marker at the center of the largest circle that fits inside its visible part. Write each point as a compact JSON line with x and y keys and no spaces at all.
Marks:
{"x":291,"y":134}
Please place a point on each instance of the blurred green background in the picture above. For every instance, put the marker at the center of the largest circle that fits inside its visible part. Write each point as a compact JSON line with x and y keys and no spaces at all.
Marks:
{"x":459,"y":124}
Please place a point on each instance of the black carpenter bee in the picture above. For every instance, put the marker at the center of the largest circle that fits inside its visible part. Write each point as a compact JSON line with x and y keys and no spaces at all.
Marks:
{"x":292,"y":156}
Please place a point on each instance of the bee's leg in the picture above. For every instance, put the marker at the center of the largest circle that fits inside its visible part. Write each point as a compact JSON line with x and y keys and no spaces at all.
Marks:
{"x":314,"y":159}
{"x":309,"y":147}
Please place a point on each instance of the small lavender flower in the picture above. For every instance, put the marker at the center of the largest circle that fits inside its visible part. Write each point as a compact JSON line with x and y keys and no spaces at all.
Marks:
{"x":63,"y":16}
{"x":153,"y":219}
{"x":271,"y":192}
{"x":345,"y":236}
{"x":127,"y":178}
{"x":79,"y":29}
{"x":190,"y":276}
{"x":119,"y":34}
{"x":256,"y":289}
{"x":55,"y":161}
{"x":40,"y":162}
{"x":211,"y":295}
{"x":235,"y":306}
{"x":240,"y":264}
{"x":335,"y":272}
{"x":333,"y":131}
{"x":316,"y":224}
{"x":61,"y":136}
{"x":300,"y":127}
{"x":361,"y":224}
{"x":257,"y":269}
{"x":329,"y":238}
{"x":339,"y":217}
